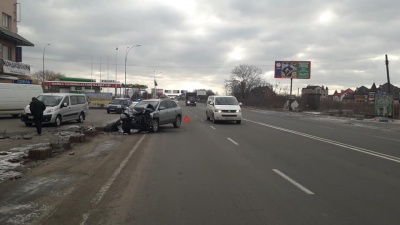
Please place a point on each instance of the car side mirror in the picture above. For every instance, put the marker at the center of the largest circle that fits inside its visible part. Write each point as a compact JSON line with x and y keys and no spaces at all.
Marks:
{"x":240,"y":103}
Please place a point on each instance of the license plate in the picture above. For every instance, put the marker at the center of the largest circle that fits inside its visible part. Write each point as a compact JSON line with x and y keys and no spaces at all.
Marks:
{"x":30,"y":117}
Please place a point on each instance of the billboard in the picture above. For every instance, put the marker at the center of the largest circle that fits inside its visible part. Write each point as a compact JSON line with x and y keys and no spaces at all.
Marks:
{"x":201,"y":92}
{"x":293,"y":69}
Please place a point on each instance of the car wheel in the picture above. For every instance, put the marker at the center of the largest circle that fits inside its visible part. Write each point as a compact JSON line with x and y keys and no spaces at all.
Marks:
{"x":177,"y":122}
{"x":108,"y":111}
{"x":81,"y":118}
{"x":28,"y":124}
{"x":154,"y":125}
{"x":58,"y":121}
{"x":208,"y":118}
{"x":238,"y":121}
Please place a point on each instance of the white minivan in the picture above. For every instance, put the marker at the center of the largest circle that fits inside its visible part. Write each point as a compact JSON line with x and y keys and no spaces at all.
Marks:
{"x":223,"y":108}
{"x":60,"y":107}
{"x":14,"y":97}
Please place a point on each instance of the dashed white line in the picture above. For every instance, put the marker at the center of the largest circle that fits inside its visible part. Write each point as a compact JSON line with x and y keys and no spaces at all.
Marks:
{"x":301,"y":187}
{"x":110,"y":181}
{"x":354,"y":148}
{"x":232,"y":141}
{"x":212,"y":127}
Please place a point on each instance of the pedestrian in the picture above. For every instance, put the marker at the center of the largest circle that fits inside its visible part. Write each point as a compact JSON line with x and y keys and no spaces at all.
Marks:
{"x":37,"y":107}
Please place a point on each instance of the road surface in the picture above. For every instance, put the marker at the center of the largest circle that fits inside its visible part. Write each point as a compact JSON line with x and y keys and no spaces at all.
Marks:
{"x":274,"y":168}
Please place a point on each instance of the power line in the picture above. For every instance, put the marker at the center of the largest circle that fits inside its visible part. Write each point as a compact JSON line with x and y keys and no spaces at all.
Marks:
{"x":202,"y":67}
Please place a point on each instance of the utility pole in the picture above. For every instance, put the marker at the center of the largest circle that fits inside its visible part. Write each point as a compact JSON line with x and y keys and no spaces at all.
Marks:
{"x":387,"y":73}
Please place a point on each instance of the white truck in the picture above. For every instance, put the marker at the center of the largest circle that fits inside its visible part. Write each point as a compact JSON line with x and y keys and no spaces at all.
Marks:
{"x":14,"y":97}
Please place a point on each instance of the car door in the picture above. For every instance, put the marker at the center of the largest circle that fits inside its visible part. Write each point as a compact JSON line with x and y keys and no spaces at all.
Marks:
{"x":163,"y":113}
{"x":65,"y":111}
{"x":172,"y":110}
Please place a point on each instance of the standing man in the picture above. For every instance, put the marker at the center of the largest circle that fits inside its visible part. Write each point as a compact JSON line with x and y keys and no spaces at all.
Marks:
{"x":37,"y":107}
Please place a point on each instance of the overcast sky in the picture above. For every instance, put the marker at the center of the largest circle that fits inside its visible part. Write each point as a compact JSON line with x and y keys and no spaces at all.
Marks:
{"x":193,"y":44}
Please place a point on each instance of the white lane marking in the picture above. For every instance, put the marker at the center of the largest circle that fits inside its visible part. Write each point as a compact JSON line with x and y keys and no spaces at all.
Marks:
{"x":301,"y":187}
{"x":212,"y":127}
{"x":110,"y":181}
{"x":233,"y":141}
{"x":354,"y":148}
{"x":387,"y":138}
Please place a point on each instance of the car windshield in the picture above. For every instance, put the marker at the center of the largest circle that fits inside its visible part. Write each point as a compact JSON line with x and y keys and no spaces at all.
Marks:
{"x":117,"y":101}
{"x":50,"y":100}
{"x":226,"y":101}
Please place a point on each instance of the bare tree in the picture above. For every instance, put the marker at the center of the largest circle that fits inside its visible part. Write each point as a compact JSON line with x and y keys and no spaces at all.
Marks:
{"x":39,"y":77}
{"x":243,"y":79}
{"x":48,"y":75}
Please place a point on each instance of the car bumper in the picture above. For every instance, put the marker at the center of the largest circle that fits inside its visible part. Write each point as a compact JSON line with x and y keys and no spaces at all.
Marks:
{"x":227,"y":116}
{"x":114,"y":109}
{"x":28,"y":118}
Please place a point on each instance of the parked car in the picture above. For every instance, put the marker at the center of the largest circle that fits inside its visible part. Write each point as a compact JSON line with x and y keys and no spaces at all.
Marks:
{"x":166,"y":111}
{"x":223,"y":108}
{"x":118,"y":105}
{"x":60,"y":107}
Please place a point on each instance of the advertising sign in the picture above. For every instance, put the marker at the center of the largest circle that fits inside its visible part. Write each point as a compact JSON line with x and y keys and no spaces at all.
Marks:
{"x":81,"y":84}
{"x":293,"y":69}
{"x":16,"y":68}
{"x":201,"y":92}
{"x":26,"y":81}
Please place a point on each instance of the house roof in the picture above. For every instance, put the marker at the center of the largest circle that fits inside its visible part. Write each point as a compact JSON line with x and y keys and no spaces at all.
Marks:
{"x":361,"y":91}
{"x":349,"y":96}
{"x":373,"y":88}
{"x":14,"y":37}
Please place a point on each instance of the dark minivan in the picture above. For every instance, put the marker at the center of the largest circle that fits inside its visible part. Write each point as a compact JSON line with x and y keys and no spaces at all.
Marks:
{"x":118,"y":105}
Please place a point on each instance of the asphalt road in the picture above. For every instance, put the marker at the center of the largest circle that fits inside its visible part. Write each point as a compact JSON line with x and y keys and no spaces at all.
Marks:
{"x":274,"y":168}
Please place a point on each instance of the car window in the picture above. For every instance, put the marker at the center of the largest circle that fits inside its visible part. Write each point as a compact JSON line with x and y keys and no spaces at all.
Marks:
{"x":171,"y":104}
{"x":81,"y":100}
{"x":226,"y":101}
{"x":74,"y":100}
{"x":163,"y":103}
{"x":66,"y":100}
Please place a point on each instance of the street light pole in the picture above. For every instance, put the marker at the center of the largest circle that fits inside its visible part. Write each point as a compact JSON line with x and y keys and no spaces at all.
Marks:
{"x":43,"y":64}
{"x":116,"y":68}
{"x":126,"y":57}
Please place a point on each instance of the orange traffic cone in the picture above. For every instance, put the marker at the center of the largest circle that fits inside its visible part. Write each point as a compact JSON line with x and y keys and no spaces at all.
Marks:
{"x":186,"y":119}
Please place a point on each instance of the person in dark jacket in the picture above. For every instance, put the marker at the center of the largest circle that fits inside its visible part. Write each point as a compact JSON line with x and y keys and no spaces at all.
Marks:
{"x":37,"y":107}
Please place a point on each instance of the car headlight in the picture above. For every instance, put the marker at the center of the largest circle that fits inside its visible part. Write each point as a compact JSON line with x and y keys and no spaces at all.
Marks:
{"x":218,"y":110}
{"x":238,"y":111}
{"x":118,"y":106}
{"x":49,"y":111}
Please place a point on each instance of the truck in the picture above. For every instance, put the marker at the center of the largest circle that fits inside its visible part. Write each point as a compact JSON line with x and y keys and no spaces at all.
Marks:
{"x":191,"y":98}
{"x":14,"y":97}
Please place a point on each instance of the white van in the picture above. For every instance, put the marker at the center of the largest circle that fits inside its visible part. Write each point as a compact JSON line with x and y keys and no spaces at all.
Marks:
{"x":226,"y":108}
{"x":14,"y":97}
{"x":60,"y":107}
